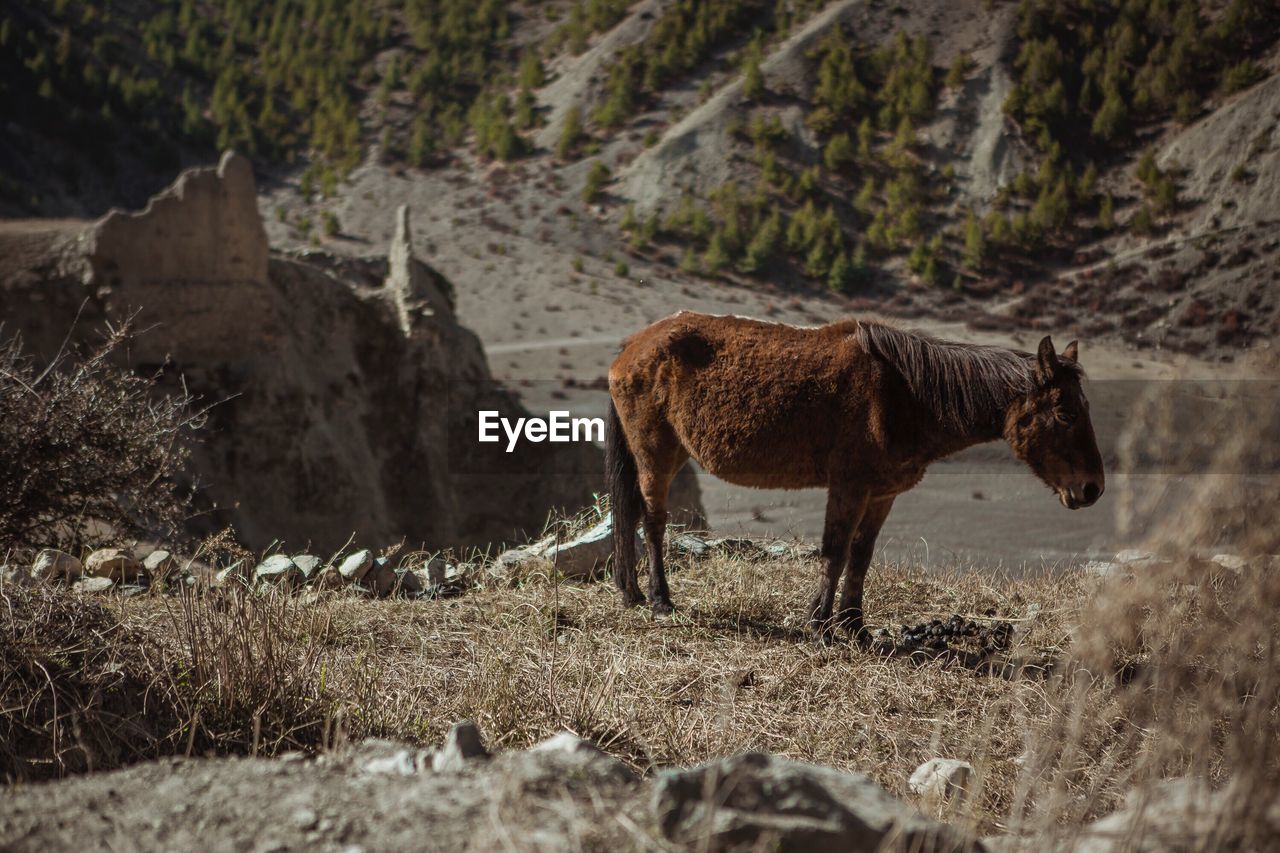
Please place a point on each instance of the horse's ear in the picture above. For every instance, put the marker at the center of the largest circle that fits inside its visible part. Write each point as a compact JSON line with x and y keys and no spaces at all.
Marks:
{"x":1046,"y":360}
{"x":1072,"y":352}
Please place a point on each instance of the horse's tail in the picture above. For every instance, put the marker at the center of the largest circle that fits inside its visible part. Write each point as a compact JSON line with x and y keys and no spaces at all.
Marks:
{"x":625,"y":500}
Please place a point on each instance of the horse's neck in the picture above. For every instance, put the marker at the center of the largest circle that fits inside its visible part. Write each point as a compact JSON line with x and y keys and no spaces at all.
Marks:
{"x":950,"y":439}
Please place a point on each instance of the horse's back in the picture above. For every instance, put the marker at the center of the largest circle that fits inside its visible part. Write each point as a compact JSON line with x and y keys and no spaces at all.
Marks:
{"x":753,"y":402}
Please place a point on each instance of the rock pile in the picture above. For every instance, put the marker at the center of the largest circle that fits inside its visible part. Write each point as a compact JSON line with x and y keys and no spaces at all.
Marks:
{"x":115,"y":570}
{"x":563,"y":793}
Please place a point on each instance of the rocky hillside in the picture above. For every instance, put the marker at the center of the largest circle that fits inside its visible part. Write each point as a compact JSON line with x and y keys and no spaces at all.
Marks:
{"x":342,"y":392}
{"x":1011,"y":164}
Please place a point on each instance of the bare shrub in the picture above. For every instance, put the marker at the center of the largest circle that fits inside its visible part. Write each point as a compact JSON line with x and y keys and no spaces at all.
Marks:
{"x":1175,"y":673}
{"x":88,"y":453}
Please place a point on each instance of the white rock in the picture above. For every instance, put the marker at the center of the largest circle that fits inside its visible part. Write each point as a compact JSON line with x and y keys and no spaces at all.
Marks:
{"x":236,"y":573}
{"x":112,"y":563}
{"x":1107,"y":569}
{"x":355,"y":567}
{"x":278,"y":569}
{"x":693,"y":546}
{"x":398,"y":764}
{"x":461,"y":745}
{"x":566,"y":742}
{"x":1230,"y":562}
{"x":1134,"y":555}
{"x":94,"y":583}
{"x":51,"y":565}
{"x":158,"y":564}
{"x":941,"y":778}
{"x":16,"y":575}
{"x":584,"y":555}
{"x":308,"y":564}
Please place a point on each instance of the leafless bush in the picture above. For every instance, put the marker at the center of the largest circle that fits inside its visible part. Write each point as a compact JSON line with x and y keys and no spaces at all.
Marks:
{"x":87,"y":450}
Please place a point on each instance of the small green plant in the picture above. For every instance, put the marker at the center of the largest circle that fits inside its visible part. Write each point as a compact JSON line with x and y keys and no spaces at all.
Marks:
{"x":597,"y":177}
{"x":621,"y":269}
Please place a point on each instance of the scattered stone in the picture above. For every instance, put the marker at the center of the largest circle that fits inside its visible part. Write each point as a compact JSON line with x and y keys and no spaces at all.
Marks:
{"x":1107,"y":569}
{"x":278,"y":570}
{"x":387,"y":758}
{"x":94,"y":584}
{"x":1230,"y":562}
{"x":159,"y":565}
{"x":435,"y":572}
{"x":566,"y":742}
{"x":582,"y":755}
{"x":329,"y":578}
{"x":16,"y":575}
{"x":381,"y":579}
{"x":690,"y":545}
{"x":1133,"y":555}
{"x":760,"y":801}
{"x":52,"y":566}
{"x":408,"y":584}
{"x":236,"y":573}
{"x":941,"y":779}
{"x":112,"y":563}
{"x":308,"y":564}
{"x":584,"y":555}
{"x":461,"y":745}
{"x":354,"y":568}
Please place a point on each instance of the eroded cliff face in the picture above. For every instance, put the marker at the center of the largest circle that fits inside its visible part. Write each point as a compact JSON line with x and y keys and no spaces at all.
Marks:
{"x":344,"y":392}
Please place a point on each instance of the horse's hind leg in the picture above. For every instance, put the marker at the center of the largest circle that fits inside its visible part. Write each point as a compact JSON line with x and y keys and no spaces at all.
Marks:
{"x":844,"y":512}
{"x":849,"y":616}
{"x":654,"y":488}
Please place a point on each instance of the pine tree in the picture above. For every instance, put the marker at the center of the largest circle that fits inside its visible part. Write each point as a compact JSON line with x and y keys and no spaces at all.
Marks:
{"x":975,"y":243}
{"x":753,"y":86}
{"x":838,"y":152}
{"x":840,"y":279}
{"x":570,"y":132}
{"x":764,"y":242}
{"x":716,"y":257}
{"x":866,"y":136}
{"x":1106,"y":213}
{"x":865,"y":201}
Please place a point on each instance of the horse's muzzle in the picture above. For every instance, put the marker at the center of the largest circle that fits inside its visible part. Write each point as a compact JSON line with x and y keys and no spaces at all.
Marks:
{"x":1080,"y":495}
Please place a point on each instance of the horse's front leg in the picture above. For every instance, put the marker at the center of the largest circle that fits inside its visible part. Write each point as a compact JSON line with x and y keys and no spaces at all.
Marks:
{"x":845,"y":508}
{"x":849,"y":616}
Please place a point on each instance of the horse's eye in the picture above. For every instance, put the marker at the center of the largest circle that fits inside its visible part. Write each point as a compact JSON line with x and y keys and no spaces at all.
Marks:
{"x":1064,"y":417}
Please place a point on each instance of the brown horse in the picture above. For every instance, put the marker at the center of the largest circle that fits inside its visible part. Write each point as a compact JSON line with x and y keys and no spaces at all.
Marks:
{"x":857,"y":407}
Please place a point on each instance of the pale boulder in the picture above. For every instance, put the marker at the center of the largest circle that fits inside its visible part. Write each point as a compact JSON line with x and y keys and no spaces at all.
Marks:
{"x":114,"y":563}
{"x":52,"y":566}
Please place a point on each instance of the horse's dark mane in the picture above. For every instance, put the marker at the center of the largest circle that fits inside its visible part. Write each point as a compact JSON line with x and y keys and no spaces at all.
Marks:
{"x":964,"y":386}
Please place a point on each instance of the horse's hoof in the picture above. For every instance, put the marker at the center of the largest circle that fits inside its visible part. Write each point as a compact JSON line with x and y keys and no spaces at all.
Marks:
{"x":662,"y":608}
{"x":629,"y":601}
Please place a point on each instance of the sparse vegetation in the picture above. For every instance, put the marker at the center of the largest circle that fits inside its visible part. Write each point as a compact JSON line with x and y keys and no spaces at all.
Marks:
{"x":88,"y":450}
